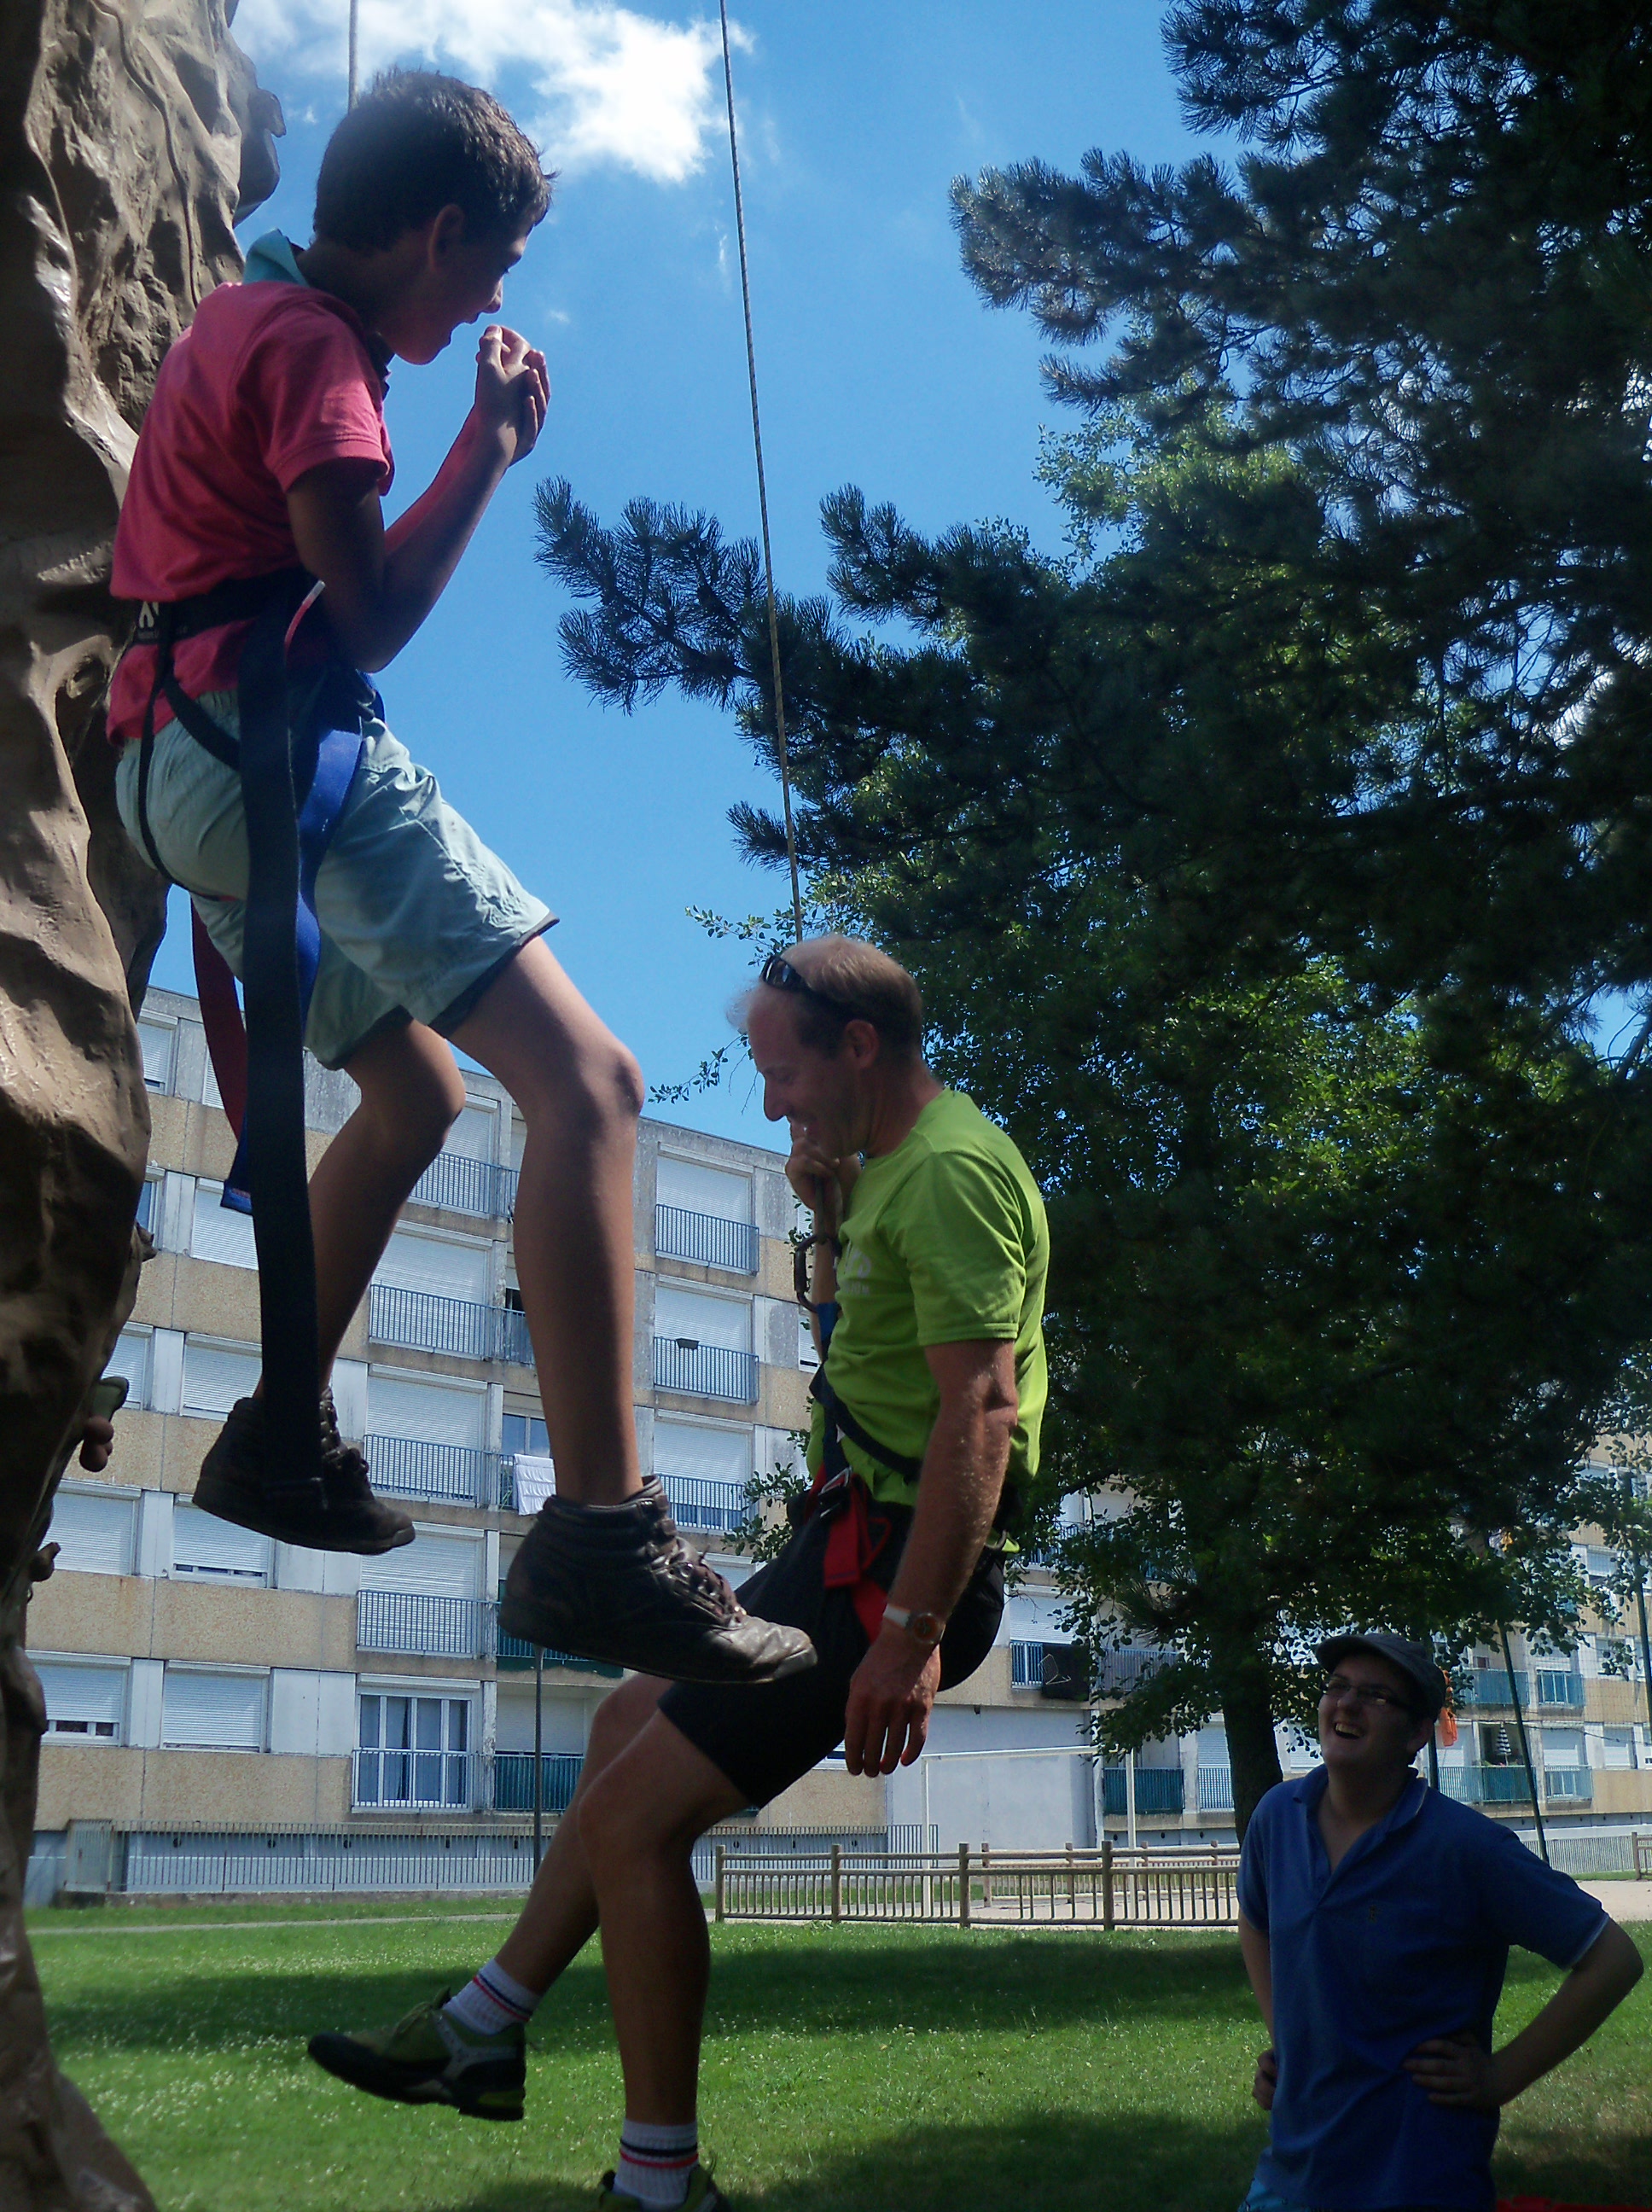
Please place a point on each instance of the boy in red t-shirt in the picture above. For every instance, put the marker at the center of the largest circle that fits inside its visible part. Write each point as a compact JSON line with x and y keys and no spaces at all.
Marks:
{"x":265,"y":452}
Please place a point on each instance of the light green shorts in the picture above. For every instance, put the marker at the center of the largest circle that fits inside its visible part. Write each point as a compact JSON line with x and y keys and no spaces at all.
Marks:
{"x":416,"y":912}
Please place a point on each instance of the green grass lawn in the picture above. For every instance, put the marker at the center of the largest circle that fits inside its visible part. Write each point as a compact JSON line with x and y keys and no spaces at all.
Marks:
{"x":849,"y":2070}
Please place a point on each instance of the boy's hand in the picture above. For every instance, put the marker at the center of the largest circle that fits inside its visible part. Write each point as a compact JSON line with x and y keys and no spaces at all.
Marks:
{"x":1456,"y":2070}
{"x":1266,"y":2080}
{"x":513,"y":390}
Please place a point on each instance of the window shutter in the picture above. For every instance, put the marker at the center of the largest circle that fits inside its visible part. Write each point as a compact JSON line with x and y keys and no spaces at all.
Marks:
{"x":215,"y":1376}
{"x":204,"y":1545}
{"x":725,"y":1322}
{"x":435,"y":1265}
{"x":425,"y":1412}
{"x":96,"y":1533}
{"x":705,"y":1454}
{"x":218,"y":1232}
{"x":83,"y":1700}
{"x":703,"y":1190}
{"x":223,"y":1712}
{"x":430,"y":1566}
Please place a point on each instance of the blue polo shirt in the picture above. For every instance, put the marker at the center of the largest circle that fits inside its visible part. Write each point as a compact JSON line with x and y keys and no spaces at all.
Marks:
{"x":1408,"y":1940}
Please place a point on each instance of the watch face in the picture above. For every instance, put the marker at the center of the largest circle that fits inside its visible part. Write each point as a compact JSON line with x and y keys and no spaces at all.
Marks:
{"x":928,"y":1627}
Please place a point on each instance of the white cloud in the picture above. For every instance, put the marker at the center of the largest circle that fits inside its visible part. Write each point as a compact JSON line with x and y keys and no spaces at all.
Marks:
{"x":613,"y":85}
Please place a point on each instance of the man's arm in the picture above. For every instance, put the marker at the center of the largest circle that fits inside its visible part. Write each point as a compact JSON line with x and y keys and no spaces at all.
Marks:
{"x":1455,"y":2070}
{"x":382,"y":584}
{"x":1259,"y":1966}
{"x":895,"y":1685}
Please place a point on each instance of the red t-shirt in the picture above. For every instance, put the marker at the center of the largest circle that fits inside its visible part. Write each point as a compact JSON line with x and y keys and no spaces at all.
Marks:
{"x":270,"y":379}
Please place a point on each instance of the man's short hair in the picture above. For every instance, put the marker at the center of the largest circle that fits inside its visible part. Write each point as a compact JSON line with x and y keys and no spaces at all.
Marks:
{"x":849,"y":981}
{"x":417,"y":143}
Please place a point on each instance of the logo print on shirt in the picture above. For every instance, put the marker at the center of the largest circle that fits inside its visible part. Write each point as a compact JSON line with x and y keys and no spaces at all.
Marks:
{"x":853,"y":1271}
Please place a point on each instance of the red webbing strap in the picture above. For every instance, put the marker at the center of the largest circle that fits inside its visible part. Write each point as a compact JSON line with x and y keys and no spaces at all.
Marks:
{"x":850,"y":1552}
{"x":221,"y":1014}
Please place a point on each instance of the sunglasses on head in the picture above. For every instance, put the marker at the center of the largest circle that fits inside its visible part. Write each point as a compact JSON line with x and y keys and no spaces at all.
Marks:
{"x":780,"y":975}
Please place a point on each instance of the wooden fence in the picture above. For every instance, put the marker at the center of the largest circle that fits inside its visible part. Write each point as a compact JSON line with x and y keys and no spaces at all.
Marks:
{"x":1109,"y":1887}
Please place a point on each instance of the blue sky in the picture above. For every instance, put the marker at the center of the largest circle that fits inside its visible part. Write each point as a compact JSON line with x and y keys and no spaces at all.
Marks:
{"x":878,"y":365}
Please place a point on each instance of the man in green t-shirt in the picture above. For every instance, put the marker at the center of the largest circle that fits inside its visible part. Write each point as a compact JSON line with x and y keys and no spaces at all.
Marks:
{"x":928,"y":1403}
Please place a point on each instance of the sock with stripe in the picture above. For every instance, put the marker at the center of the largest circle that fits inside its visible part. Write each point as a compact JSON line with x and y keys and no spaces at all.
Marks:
{"x":655,"y":2163}
{"x":491,"y":2002}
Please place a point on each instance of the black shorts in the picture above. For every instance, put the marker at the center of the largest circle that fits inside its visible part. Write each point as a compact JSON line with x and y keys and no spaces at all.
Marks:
{"x":763,"y":1738}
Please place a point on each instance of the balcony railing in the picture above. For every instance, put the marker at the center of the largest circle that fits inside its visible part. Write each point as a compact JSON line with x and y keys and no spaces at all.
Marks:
{"x":448,"y":1780}
{"x":451,"y":1474}
{"x":459,"y":1185}
{"x":513,"y":1780}
{"x":1568,"y":1785}
{"x":1158,"y":1790}
{"x":408,"y":1621}
{"x":1558,"y":1686}
{"x":1215,"y":1788}
{"x":515,"y":1653}
{"x":1492,"y":1686}
{"x":699,"y":1503}
{"x":707,"y":1238}
{"x":705,"y":1371}
{"x":1485,"y":1785}
{"x":423,"y":1321}
{"x":1027,"y":1666}
{"x":1118,"y":1673}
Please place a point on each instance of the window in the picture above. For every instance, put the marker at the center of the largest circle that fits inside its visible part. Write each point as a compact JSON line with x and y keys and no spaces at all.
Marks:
{"x":148,"y":1201}
{"x":219,"y":1232}
{"x":472,"y":1136}
{"x":808,"y":1357}
{"x":426,"y":1411}
{"x":525,"y":1432}
{"x":158,"y":1041}
{"x":699,"y":1190}
{"x":413,"y":1750}
{"x":439,"y":1265}
{"x":430,"y":1566}
{"x":82,"y":1703}
{"x":691,"y":1319}
{"x":1562,"y":1747}
{"x":96,"y":1528}
{"x":217,"y":1375}
{"x":684,"y":1450}
{"x":206,"y":1549}
{"x":130,"y":1358}
{"x":1618,"y":1750}
{"x":207,"y":1712}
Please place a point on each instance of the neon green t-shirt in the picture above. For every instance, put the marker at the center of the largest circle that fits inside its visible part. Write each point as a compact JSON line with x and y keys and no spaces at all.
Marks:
{"x":944,"y":1243}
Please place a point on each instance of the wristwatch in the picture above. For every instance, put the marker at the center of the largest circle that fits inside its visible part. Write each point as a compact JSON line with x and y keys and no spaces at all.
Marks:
{"x":926,"y":1627}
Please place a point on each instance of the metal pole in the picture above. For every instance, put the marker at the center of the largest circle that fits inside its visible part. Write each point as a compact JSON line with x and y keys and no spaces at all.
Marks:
{"x":1640,"y":1607}
{"x":354,"y":27}
{"x":1524,"y":1746}
{"x":1130,"y":1799}
{"x":1433,"y":1760}
{"x":539,"y":1756}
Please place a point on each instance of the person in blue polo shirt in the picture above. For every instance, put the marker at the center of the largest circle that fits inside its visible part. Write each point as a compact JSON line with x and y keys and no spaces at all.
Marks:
{"x":1375,"y":1917}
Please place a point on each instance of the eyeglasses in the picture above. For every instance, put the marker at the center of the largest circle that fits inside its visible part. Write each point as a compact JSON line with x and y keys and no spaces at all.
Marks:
{"x":1366,"y":1693}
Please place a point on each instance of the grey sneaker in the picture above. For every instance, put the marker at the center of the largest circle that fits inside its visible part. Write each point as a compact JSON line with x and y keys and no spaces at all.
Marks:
{"x":428,"y":2058}
{"x":338,"y":1514}
{"x":618,"y":1583}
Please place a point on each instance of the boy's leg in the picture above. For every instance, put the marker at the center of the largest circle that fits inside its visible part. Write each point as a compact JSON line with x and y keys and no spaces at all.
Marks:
{"x":603,"y":1572}
{"x":411,"y":1093}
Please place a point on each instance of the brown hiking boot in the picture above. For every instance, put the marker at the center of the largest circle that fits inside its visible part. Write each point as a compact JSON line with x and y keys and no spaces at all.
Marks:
{"x":618,"y":1583}
{"x":339,"y":1513}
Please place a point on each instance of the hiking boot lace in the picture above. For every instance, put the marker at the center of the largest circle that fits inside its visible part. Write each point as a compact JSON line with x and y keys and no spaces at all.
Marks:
{"x":704,"y":1583}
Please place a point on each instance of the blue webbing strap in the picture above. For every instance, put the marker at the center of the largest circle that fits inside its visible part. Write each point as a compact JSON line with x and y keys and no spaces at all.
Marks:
{"x":280,"y":946}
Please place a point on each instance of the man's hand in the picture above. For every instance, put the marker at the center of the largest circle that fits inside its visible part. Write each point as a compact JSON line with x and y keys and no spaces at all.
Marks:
{"x":1457,"y":2069}
{"x":890,"y":1702}
{"x":1267,"y":2079}
{"x":824,"y":1185}
{"x":513,"y":389}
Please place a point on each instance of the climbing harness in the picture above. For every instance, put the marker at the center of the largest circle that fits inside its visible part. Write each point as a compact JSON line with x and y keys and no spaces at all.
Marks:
{"x":783,"y":751}
{"x":302,"y":735}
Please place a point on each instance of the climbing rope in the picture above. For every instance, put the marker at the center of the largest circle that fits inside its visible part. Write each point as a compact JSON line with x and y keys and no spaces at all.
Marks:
{"x":762,"y":489}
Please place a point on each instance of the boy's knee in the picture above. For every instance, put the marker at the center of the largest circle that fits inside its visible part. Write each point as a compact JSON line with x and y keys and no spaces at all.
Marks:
{"x":604,"y":1090}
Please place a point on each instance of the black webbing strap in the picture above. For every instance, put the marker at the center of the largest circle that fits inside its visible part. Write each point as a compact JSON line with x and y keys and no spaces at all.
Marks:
{"x":841,"y":1422}
{"x":277,"y":1171}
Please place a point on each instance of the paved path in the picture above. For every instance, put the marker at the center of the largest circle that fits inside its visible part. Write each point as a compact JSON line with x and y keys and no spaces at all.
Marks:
{"x":1623,"y":1900}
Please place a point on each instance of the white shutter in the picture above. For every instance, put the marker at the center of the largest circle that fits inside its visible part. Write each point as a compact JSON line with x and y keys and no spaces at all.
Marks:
{"x":725,"y":1322}
{"x":472,"y":1136}
{"x":430,"y":1566}
{"x":130,"y":1358}
{"x":223,"y":1712}
{"x":83,"y":1701}
{"x":95,"y":1532}
{"x":203,"y":1545}
{"x":159,"y":1041}
{"x":707,"y":1455}
{"x":703,"y":1190}
{"x":214,"y":1376}
{"x":427,"y":1412}
{"x":436,"y":1264}
{"x":1618,"y":1748}
{"x":219,"y":1232}
{"x":1562,"y":1747}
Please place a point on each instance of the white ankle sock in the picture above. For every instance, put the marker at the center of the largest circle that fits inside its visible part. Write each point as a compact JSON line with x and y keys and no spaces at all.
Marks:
{"x":491,"y":2002}
{"x":655,"y":2163}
